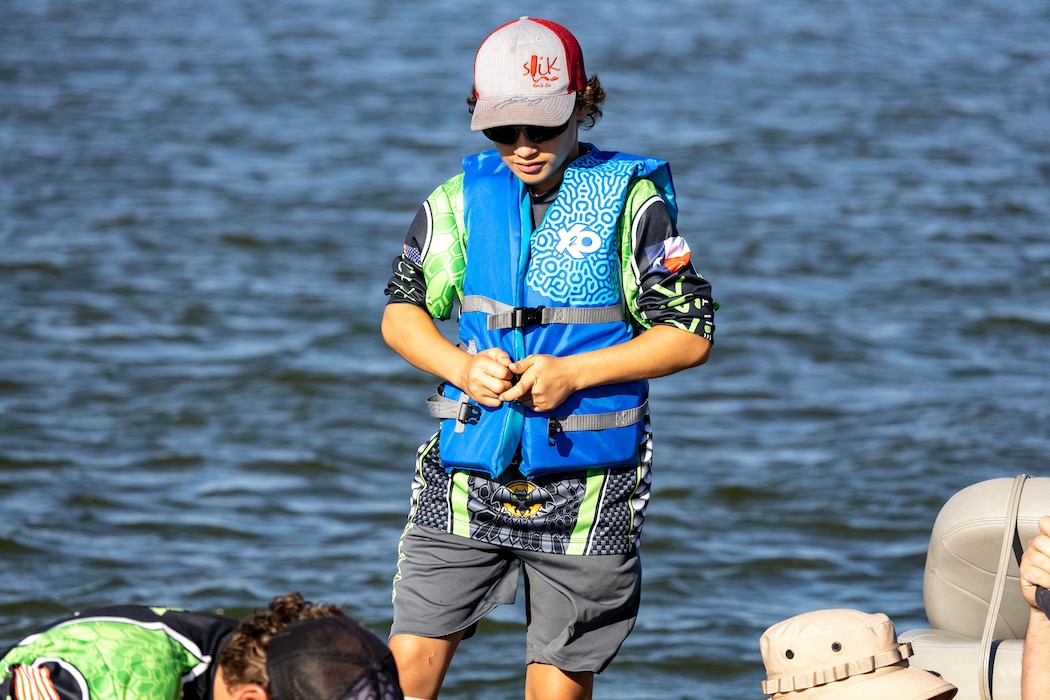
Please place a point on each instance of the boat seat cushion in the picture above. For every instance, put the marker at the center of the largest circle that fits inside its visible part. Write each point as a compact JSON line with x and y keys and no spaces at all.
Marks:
{"x":956,"y":657}
{"x":963,"y":558}
{"x":959,"y":581}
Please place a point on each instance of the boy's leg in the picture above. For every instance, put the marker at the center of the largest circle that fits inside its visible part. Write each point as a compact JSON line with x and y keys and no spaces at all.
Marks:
{"x":546,"y":682}
{"x":422,"y":662}
{"x":444,"y":585}
{"x":580,"y":609}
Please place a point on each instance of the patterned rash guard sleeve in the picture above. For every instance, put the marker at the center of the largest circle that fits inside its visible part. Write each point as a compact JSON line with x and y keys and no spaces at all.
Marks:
{"x":407,"y":284}
{"x":661,"y":285}
{"x":429,"y":271}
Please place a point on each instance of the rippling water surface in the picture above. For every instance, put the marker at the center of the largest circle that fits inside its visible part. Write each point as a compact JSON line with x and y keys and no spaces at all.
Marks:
{"x":199,"y":203}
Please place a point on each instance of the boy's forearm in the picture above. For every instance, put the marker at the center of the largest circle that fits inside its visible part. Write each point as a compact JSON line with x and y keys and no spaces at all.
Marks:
{"x":412,"y":334}
{"x":1035,"y":666}
{"x":658,"y":352}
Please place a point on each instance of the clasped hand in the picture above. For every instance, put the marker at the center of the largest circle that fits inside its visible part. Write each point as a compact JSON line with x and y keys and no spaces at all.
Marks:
{"x":539,"y":382}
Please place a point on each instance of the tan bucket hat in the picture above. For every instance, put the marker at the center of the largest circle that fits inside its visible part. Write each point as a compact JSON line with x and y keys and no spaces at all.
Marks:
{"x":843,"y":655}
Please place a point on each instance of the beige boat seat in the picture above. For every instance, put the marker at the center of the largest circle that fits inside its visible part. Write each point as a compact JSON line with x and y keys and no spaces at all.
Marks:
{"x":971,"y":592}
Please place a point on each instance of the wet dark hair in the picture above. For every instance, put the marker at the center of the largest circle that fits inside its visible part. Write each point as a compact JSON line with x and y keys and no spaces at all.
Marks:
{"x":591,"y":97}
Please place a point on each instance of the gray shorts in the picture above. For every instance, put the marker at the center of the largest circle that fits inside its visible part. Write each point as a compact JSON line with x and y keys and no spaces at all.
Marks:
{"x":580,"y":608}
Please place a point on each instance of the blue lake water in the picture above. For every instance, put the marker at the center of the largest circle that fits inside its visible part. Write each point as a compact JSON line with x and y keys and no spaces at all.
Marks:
{"x":199,"y":202}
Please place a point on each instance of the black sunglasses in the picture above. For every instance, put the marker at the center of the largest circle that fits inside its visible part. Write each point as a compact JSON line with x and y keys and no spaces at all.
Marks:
{"x":508,"y":135}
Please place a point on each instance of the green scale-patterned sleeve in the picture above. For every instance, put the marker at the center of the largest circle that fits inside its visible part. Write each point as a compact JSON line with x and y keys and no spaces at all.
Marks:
{"x":444,"y":257}
{"x":429,"y":271}
{"x":660,"y":283}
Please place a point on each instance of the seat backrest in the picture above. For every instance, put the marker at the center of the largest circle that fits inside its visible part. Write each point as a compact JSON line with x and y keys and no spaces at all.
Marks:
{"x":964,"y":555}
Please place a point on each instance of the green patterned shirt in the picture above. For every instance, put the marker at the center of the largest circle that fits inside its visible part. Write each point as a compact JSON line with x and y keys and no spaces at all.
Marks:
{"x":120,"y":653}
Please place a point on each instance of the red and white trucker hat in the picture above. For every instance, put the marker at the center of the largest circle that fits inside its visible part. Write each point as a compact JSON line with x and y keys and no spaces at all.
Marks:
{"x":527,"y":72}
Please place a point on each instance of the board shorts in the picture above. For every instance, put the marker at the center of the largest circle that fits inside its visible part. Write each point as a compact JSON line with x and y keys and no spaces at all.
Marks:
{"x":579,"y":609}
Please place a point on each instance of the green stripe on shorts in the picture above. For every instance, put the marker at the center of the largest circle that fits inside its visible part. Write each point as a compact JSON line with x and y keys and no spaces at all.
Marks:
{"x":458,"y":499}
{"x":588,"y":513}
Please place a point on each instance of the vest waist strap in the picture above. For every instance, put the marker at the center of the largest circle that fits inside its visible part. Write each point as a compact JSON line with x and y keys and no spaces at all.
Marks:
{"x":502,"y":315}
{"x":441,"y":408}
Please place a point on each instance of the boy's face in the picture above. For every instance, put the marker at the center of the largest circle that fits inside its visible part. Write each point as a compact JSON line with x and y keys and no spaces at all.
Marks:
{"x":541,"y":165}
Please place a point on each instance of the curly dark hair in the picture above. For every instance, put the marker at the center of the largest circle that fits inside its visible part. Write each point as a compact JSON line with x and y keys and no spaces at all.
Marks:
{"x":591,"y":97}
{"x":243,"y":659}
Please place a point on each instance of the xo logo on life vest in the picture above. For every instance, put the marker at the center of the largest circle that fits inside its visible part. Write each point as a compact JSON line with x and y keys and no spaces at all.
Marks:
{"x":578,"y":241}
{"x":573,"y":265}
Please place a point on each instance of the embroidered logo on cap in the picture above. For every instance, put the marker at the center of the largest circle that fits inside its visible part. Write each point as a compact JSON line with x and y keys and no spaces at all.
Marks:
{"x":541,"y":69}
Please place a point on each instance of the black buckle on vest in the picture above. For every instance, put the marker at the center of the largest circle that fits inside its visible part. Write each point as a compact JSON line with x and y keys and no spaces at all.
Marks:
{"x":553,"y":428}
{"x":523,"y":316}
{"x":469,"y":414}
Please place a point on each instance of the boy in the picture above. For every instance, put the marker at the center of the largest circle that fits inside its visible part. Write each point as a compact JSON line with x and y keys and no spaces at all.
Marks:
{"x":293,"y":650}
{"x":574,"y":289}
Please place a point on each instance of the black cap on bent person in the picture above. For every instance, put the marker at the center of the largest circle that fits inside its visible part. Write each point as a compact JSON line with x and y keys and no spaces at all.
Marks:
{"x":331,"y":658}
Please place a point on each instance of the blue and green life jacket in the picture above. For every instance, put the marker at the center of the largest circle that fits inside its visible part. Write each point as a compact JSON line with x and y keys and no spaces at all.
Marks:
{"x":554,"y":290}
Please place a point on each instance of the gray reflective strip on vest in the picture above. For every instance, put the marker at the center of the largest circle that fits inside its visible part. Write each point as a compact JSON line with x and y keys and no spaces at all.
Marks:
{"x":441,"y":407}
{"x":502,"y":315}
{"x":601,"y":421}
